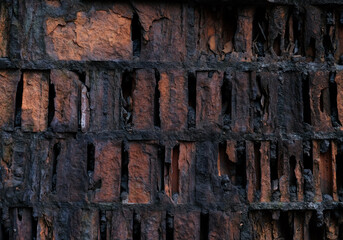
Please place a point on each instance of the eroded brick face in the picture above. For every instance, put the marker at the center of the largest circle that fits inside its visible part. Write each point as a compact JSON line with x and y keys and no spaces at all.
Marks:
{"x":171,"y":120}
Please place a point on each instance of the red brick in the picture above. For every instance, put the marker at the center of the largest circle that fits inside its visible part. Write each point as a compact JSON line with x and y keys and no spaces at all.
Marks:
{"x":107,"y":170}
{"x":224,"y":225}
{"x":94,"y":35}
{"x":120,"y":224}
{"x":34,"y":116}
{"x":173,"y":100}
{"x":151,"y":224}
{"x":67,"y":100}
{"x":142,"y":160}
{"x":208,"y":99}
{"x":8,"y":87}
{"x":143,"y":99}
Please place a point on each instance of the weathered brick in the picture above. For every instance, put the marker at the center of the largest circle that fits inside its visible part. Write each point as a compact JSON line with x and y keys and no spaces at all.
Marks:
{"x":243,"y":36}
{"x":142,"y":172}
{"x":4,"y":29}
{"x":94,"y":35}
{"x":208,"y":100}
{"x":119,"y":225}
{"x":143,"y":99}
{"x":164,"y":26}
{"x":9,"y":80}
{"x":67,"y":100}
{"x":104,"y":100}
{"x":21,"y":223}
{"x":187,"y":225}
{"x":173,"y":100}
{"x":107,"y":170}
{"x":34,"y":115}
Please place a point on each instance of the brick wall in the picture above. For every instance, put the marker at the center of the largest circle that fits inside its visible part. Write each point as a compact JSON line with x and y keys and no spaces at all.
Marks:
{"x":171,"y":120}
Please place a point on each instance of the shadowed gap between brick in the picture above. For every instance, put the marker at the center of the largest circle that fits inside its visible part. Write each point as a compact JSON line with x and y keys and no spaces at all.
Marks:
{"x":55,"y":153}
{"x":18,"y":102}
{"x":169,"y":226}
{"x":306,"y":99}
{"x":226,"y":91}
{"x":157,"y":120}
{"x":124,"y":183}
{"x":82,"y":79}
{"x":204,"y":225}
{"x":175,"y":170}
{"x":298,"y":31}
{"x":136,"y":235}
{"x":127,"y":88}
{"x":285,"y":229}
{"x":51,"y":103}
{"x":136,"y":35}
{"x":311,"y":49}
{"x":103,"y":225}
{"x":339,"y":173}
{"x":292,"y":178}
{"x":274,"y":164}
{"x":316,"y":230}
{"x":333,"y":100}
{"x":257,"y":160}
{"x":161,"y":159}
{"x":307,"y":155}
{"x":326,"y":176}
{"x":34,"y":227}
{"x":241,"y":164}
{"x":90,"y":157}
{"x":192,"y":84}
{"x":225,"y":165}
{"x":260,"y":32}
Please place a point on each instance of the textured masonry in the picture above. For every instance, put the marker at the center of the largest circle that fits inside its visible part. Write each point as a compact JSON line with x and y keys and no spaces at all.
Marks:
{"x":171,"y":120}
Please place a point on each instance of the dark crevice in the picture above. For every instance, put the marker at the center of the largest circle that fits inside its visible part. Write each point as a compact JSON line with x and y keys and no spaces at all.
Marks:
{"x":276,"y":45}
{"x":306,"y":99}
{"x":127,"y":88}
{"x":136,"y":35}
{"x":226,"y":91}
{"x":157,"y":120}
{"x":175,"y":170}
{"x":333,"y":100}
{"x":285,"y":229}
{"x":241,"y":177}
{"x":136,"y":235}
{"x":20,"y":214}
{"x":339,"y":171}
{"x":103,"y":225}
{"x":307,"y":155}
{"x":90,"y":157}
{"x":169,"y":226}
{"x":316,"y":232}
{"x":51,"y":106}
{"x":192,"y":84}
{"x":257,"y":154}
{"x":56,"y":152}
{"x":311,"y":49}
{"x":292,"y":178}
{"x":204,"y":226}
{"x":274,"y":171}
{"x":34,"y":227}
{"x":298,"y":20}
{"x":124,"y":184}
{"x":260,"y":32}
{"x":161,"y":158}
{"x":18,"y":102}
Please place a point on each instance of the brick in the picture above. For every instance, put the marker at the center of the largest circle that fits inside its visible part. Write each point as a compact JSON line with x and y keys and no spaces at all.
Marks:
{"x":185,"y":181}
{"x":67,"y":100}
{"x":4,"y":29}
{"x":241,"y":112}
{"x":164,"y":26}
{"x":21,"y":223}
{"x":320,"y":101}
{"x":339,"y":82}
{"x":151,"y":224}
{"x":119,"y":224}
{"x":142,"y":160}
{"x":108,"y":171}
{"x":265,"y":172}
{"x":9,"y":80}
{"x":94,"y":35}
{"x":208,"y":100}
{"x":104,"y":100}
{"x":71,"y":179}
{"x":84,"y":224}
{"x":34,"y":116}
{"x":187,"y":225}
{"x":173,"y":100}
{"x":243,"y":36}
{"x":143,"y":99}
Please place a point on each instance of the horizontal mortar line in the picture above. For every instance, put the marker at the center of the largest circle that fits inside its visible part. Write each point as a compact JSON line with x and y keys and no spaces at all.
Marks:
{"x":188,"y":66}
{"x":191,"y":136}
{"x":289,"y":206}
